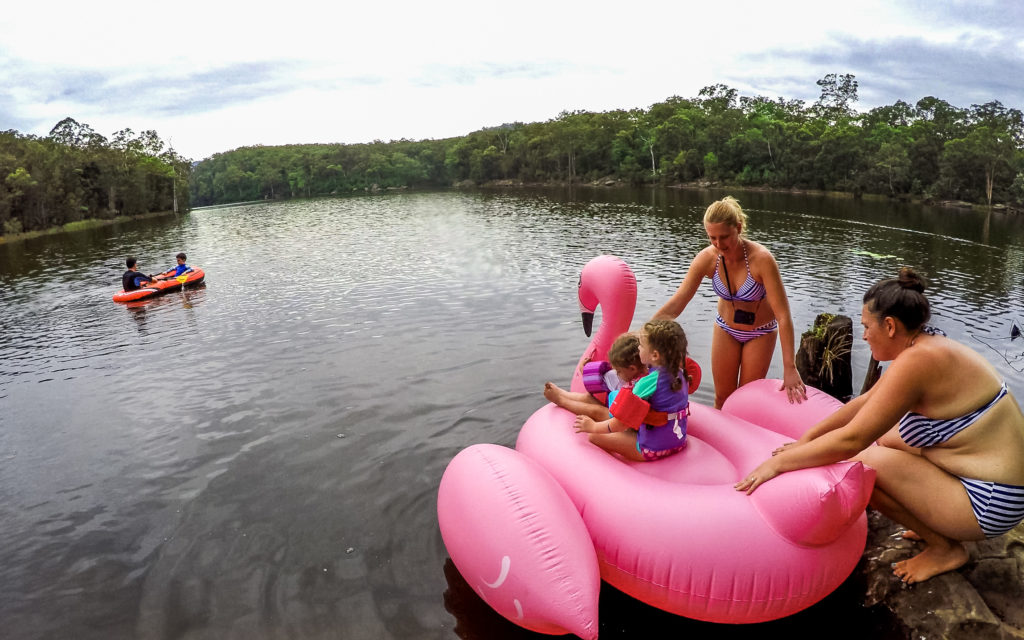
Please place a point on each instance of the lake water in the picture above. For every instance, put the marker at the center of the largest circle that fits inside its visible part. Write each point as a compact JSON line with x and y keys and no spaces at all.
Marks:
{"x":259,"y":458}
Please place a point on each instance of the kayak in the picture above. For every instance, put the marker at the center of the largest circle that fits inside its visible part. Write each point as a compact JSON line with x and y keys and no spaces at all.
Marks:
{"x":165,"y":283}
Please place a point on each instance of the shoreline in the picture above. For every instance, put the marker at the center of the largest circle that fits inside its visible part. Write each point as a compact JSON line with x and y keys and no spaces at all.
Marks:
{"x":706,"y":185}
{"x":81,"y":225}
{"x":607,"y":183}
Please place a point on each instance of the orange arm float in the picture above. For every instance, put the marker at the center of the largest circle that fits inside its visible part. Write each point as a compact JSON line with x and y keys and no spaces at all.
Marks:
{"x":629,"y":409}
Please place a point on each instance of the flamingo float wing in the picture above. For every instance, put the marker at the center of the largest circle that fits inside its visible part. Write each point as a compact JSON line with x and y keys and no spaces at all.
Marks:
{"x":517,"y":539}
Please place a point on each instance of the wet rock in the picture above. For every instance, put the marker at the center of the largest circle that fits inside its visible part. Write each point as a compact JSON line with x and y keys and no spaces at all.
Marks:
{"x":983,"y":599}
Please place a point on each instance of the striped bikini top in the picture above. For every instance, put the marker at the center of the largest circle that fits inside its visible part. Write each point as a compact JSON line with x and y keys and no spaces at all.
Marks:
{"x":750,"y":291}
{"x":919,"y":431}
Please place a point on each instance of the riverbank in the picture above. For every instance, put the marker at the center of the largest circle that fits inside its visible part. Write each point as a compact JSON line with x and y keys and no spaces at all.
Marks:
{"x":81,"y":225}
{"x":702,"y":185}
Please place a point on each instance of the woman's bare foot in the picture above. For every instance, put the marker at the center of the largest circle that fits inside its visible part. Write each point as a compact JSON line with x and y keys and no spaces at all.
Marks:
{"x":910,"y":535}
{"x":935,"y":559}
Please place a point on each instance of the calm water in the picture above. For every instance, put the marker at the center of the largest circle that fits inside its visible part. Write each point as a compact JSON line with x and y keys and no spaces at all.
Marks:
{"x":259,"y":458}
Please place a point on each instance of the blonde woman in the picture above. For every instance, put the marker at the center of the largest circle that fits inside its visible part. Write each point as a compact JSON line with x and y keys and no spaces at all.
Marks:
{"x":753,"y":310}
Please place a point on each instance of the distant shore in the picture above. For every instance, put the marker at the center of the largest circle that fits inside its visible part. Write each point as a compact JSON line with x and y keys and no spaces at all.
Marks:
{"x":702,"y":185}
{"x":80,"y":225}
{"x":602,"y":183}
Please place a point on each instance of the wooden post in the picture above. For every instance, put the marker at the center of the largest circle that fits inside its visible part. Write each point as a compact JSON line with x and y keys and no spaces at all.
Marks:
{"x":871,"y":377}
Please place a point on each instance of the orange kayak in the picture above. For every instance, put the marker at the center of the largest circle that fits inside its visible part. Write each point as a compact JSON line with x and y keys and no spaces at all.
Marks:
{"x":164,"y":284}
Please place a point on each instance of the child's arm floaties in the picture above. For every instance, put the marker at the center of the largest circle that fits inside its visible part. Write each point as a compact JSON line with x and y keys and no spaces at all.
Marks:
{"x":629,"y":409}
{"x":692,"y":370}
{"x":593,"y":376}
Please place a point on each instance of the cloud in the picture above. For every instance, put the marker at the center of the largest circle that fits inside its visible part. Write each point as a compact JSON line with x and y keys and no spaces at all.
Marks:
{"x":962,"y":72}
{"x":341,"y":73}
{"x":999,"y":16}
{"x":440,"y":75}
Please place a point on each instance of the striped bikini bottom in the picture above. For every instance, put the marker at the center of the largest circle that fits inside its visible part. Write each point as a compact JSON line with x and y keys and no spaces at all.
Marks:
{"x":998,"y":507}
{"x":743,"y":335}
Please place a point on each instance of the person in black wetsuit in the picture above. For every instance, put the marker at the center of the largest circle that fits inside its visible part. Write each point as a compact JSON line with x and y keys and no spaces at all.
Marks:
{"x":133,"y":279}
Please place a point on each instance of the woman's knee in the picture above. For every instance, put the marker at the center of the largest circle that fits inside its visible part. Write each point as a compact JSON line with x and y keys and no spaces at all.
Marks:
{"x":875,"y":456}
{"x":722,"y":395}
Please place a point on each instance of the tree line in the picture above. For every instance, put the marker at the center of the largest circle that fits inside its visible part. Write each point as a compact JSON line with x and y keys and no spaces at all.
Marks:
{"x":74,"y":174}
{"x":930,"y":149}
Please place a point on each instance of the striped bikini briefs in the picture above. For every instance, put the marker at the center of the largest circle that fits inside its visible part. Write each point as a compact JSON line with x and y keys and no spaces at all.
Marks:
{"x":745,"y":335}
{"x":998,"y":507}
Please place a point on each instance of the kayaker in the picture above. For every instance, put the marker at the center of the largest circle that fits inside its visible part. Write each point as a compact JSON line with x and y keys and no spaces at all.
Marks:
{"x":133,"y":279}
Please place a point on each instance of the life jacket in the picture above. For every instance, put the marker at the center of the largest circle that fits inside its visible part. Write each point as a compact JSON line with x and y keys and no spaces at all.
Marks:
{"x":128,"y":280}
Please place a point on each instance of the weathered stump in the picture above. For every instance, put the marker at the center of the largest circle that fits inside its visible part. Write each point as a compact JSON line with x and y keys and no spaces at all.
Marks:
{"x":874,"y":372}
{"x":824,"y":359}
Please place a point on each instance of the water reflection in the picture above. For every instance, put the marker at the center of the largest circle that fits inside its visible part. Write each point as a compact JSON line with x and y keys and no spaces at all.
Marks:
{"x":260,"y":457}
{"x":142,"y":310}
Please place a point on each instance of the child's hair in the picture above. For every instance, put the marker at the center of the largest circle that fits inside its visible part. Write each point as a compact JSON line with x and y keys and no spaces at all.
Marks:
{"x":625,"y":351}
{"x":181,"y":256}
{"x":667,"y":338}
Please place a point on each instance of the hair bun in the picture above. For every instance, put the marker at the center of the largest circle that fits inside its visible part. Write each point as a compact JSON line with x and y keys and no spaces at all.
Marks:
{"x":909,"y":279}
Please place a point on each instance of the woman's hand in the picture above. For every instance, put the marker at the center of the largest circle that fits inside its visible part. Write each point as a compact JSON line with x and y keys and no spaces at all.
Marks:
{"x":784,"y":448}
{"x":794,"y":385}
{"x":584,"y":424}
{"x":763,"y":473}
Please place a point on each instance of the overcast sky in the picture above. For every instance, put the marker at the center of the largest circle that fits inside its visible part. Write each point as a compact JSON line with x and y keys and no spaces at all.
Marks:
{"x":209,"y":76}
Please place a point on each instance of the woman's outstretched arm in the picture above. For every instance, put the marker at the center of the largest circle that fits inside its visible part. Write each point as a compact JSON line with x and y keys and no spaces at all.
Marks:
{"x":699,"y":267}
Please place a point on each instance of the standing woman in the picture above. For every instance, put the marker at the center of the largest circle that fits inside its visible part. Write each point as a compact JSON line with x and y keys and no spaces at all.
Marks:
{"x":752,"y":310}
{"x":952,"y":467}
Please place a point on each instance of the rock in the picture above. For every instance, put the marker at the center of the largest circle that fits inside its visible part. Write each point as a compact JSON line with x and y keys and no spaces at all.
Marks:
{"x":983,"y":599}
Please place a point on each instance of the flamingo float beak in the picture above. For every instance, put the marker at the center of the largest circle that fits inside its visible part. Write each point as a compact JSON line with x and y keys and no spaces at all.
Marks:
{"x":588,"y":322}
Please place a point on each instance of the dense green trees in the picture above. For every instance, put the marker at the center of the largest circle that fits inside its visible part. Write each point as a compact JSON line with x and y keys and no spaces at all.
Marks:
{"x":929,"y":149}
{"x":74,"y":173}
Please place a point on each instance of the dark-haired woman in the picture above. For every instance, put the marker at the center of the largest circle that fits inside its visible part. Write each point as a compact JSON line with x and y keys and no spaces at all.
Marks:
{"x":952,"y":467}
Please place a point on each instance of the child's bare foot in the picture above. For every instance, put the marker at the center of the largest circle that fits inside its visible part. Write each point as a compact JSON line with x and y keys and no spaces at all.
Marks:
{"x":551,"y":391}
{"x":556,"y":394}
{"x":910,"y":535}
{"x":934,"y":560}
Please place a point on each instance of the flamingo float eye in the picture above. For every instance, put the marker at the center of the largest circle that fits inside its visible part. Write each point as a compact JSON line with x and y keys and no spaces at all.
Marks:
{"x":506,"y":564}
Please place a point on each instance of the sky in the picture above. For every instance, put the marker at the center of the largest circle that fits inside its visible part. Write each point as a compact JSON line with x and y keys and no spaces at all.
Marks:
{"x":210,"y":76}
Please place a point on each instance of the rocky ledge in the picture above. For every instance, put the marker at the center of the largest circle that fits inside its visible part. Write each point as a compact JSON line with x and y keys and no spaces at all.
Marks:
{"x":982,"y":600}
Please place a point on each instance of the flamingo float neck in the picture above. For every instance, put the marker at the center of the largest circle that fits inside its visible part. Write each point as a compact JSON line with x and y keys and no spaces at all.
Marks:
{"x":608,"y":282}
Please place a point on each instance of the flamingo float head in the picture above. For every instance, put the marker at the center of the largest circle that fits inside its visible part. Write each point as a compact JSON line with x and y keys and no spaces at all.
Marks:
{"x":608,"y":282}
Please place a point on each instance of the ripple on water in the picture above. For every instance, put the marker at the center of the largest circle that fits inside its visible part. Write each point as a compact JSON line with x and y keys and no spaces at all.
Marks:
{"x":176,"y":467}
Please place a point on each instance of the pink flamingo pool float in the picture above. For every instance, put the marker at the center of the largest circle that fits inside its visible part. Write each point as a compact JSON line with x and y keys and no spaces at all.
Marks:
{"x":534,"y":530}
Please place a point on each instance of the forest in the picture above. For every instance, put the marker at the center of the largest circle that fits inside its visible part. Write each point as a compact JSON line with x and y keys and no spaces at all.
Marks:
{"x":929,"y":150}
{"x":76,"y":174}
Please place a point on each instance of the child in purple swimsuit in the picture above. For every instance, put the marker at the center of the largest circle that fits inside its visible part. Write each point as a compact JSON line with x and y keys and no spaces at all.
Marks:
{"x":648,"y":419}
